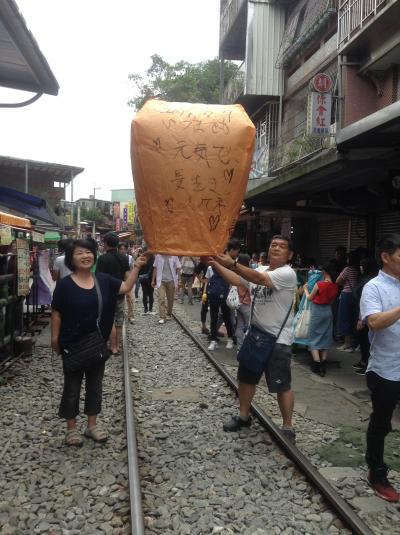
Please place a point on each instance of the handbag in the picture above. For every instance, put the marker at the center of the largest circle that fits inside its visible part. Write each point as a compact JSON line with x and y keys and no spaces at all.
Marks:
{"x":89,"y":351}
{"x":258,"y":344}
{"x":302,"y":324}
{"x":233,"y":300}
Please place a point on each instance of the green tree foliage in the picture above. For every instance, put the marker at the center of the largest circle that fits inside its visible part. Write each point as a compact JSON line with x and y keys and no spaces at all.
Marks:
{"x":180,"y":82}
{"x":92,"y":214}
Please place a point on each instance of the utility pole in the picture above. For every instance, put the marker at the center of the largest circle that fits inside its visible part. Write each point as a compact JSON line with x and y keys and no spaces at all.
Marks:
{"x":94,"y":209}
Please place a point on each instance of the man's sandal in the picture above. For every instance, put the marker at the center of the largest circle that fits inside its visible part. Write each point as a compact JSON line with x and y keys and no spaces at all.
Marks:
{"x":73,"y":438}
{"x":96,"y":433}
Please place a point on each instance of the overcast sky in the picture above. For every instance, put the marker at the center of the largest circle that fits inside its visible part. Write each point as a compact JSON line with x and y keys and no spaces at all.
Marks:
{"x":91,"y":47}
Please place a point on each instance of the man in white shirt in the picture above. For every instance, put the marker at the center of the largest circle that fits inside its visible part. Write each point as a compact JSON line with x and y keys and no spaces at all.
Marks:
{"x":60,"y":270}
{"x":272,"y":294}
{"x":166,"y":271}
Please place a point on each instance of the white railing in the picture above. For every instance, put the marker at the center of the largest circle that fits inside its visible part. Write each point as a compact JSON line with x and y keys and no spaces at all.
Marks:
{"x":235,"y":86}
{"x":354,"y":14}
{"x":228,"y":16}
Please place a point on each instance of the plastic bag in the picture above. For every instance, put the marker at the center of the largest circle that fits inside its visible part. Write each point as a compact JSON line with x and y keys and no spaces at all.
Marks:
{"x":233,"y":300}
{"x":190,"y":166}
{"x":302,"y":322}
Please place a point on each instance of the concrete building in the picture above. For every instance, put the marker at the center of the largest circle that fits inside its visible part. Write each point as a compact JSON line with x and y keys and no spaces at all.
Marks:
{"x":329,"y":186}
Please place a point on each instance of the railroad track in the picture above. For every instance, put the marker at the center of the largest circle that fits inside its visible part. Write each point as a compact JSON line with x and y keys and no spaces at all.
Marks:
{"x":335,"y":502}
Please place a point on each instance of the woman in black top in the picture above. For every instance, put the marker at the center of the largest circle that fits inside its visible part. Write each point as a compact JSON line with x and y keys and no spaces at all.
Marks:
{"x":147,"y":289}
{"x":74,"y":315}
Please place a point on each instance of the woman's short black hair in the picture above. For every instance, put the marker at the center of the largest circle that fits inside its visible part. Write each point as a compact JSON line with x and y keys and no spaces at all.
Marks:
{"x":69,"y":253}
{"x":330,"y":269}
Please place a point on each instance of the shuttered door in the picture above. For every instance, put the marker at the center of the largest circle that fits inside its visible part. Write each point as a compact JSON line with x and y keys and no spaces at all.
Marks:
{"x":335,"y":232}
{"x":387,"y":223}
{"x":358,"y":236}
{"x":332,"y":233}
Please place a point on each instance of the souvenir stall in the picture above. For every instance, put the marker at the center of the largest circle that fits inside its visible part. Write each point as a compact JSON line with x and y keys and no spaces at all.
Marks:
{"x":41,"y":290}
{"x":15,"y":235}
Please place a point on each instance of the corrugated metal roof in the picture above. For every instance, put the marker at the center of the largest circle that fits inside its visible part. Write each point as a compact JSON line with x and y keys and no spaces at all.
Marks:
{"x":56,"y":170}
{"x":22,"y":64}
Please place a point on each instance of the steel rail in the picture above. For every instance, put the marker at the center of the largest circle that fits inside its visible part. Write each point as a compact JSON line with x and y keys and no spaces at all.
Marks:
{"x":345,"y":512}
{"x":135,"y":492}
{"x":8,"y":362}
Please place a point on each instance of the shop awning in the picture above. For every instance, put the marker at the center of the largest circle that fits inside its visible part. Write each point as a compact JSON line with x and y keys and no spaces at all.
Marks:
{"x":30,"y":205}
{"x":14,"y":221}
{"x":51,"y":235}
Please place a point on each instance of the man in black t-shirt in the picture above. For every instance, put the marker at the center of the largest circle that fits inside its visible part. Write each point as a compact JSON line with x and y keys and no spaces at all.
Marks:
{"x":116,"y":265}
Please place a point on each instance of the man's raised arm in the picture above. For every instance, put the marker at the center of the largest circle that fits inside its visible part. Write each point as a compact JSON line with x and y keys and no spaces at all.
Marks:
{"x":231,"y":270}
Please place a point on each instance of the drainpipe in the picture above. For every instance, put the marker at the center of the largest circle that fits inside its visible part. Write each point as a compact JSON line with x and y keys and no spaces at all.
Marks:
{"x":339,"y":105}
{"x":221,"y":78}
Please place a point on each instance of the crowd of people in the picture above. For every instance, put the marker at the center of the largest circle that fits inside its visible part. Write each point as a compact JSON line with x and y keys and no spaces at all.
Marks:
{"x":263,"y":302}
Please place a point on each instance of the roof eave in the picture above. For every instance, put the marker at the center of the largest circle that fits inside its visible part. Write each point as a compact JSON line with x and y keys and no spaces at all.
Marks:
{"x":29,"y":48}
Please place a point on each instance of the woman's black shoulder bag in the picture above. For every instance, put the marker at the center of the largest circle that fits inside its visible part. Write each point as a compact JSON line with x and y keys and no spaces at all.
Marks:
{"x":89,"y":351}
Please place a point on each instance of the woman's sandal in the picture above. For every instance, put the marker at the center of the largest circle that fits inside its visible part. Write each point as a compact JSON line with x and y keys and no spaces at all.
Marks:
{"x":96,"y":433}
{"x":73,"y":438}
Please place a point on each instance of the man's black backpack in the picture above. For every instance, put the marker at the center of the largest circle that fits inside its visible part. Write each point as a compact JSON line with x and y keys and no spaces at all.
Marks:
{"x":217,"y":288}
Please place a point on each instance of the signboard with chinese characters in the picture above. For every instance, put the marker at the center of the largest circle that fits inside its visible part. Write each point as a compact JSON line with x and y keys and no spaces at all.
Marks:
{"x":319,"y":114}
{"x":117,"y":224}
{"x":5,"y":235}
{"x":38,"y":237}
{"x":125,"y":214}
{"x":131,"y":213}
{"x":116,"y":210}
{"x":23,"y":267}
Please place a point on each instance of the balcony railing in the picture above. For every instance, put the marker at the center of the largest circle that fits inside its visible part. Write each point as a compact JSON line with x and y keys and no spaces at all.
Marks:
{"x":235,"y":86}
{"x":354,"y":14}
{"x":229,"y":15}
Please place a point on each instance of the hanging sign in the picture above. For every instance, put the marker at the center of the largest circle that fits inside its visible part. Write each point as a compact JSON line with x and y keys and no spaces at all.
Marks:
{"x":125,"y":214}
{"x":191,"y":164}
{"x":117,"y":224}
{"x":131,"y":213}
{"x":116,"y":210}
{"x":23,"y":267}
{"x":38,"y":237}
{"x":5,"y":235}
{"x":319,"y":114}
